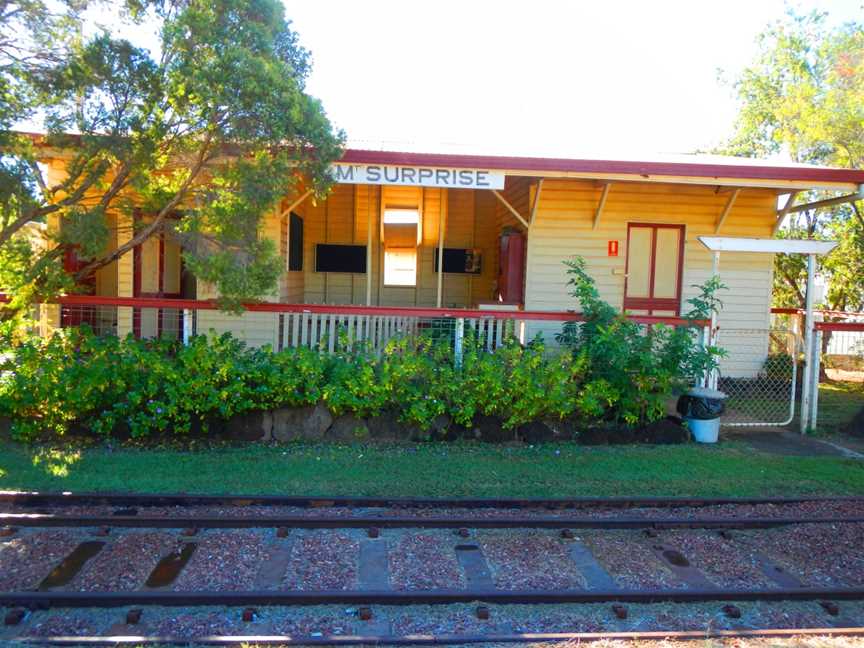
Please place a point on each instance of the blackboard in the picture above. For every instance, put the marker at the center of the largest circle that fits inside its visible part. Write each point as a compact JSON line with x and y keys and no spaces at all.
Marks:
{"x":340,"y":258}
{"x":460,"y":261}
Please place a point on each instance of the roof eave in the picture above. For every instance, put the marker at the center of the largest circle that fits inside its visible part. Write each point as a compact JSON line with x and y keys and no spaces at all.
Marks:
{"x":743,"y":175}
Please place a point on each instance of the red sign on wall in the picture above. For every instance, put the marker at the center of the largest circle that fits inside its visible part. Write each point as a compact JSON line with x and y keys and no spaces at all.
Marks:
{"x":613,"y":248}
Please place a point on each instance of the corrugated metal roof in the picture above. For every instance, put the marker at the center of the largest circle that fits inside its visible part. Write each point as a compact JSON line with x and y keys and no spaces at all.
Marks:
{"x":702,"y":166}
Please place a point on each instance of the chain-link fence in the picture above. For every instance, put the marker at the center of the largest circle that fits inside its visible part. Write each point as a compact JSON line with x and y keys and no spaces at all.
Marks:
{"x":843,"y":355}
{"x":760,"y":375}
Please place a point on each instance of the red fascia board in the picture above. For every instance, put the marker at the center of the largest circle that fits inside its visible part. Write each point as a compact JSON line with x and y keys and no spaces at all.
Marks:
{"x":566,"y":165}
{"x":645,"y":169}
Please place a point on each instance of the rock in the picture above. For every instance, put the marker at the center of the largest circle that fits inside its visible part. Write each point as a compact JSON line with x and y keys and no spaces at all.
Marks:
{"x":535,"y":432}
{"x":606,"y":435}
{"x":440,"y":426}
{"x":488,"y":428}
{"x":666,"y":431}
{"x":301,"y":423}
{"x":245,"y":427}
{"x":267,"y":426}
{"x":385,"y":427}
{"x":564,"y":429}
{"x":456,"y":432}
{"x":348,"y":428}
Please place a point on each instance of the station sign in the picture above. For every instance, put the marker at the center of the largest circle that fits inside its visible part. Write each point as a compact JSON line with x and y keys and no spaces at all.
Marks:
{"x":417,"y":176}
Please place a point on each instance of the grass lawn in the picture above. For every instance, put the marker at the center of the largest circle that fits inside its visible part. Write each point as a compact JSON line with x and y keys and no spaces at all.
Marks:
{"x":554,"y":470}
{"x":839,"y":402}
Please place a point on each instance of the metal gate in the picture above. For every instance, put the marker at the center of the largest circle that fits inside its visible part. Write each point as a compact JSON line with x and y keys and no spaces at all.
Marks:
{"x":759,"y":375}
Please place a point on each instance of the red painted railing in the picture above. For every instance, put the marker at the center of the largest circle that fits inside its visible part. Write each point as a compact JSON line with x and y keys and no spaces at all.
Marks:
{"x":348,"y":309}
{"x":857,"y":327}
{"x":825,"y":313}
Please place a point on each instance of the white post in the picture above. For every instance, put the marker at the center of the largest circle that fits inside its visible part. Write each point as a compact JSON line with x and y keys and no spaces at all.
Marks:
{"x":810,"y":362}
{"x":457,"y":342}
{"x":814,"y":394}
{"x":187,"y":325}
{"x":712,"y":377}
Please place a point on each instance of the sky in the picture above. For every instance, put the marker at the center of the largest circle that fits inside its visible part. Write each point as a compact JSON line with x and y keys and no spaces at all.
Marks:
{"x":546,"y":77}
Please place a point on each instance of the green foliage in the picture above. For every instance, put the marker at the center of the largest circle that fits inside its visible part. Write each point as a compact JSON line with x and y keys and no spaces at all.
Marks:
{"x":105,"y":384}
{"x":803,"y":97}
{"x":632,"y":372}
{"x":143,"y":388}
{"x":149,"y":387}
{"x":204,"y":134}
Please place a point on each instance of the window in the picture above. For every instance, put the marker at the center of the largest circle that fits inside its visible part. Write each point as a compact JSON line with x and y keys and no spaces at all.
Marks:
{"x":460,"y":261}
{"x":655,"y":256}
{"x":401,"y":233}
{"x":340,"y":258}
{"x":400,"y":266}
{"x":295,"y":243}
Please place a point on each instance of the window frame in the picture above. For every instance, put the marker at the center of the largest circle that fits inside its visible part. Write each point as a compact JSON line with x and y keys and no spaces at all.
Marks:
{"x":291,"y":241}
{"x":386,"y":283}
{"x":651,"y":303}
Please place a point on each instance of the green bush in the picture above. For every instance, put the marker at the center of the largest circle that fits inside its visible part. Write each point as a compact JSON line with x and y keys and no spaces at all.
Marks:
{"x":633,"y":371}
{"x":143,"y":388}
{"x":106,"y":384}
{"x":109,"y":386}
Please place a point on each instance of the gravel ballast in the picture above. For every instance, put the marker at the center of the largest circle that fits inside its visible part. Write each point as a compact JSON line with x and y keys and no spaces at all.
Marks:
{"x":322,"y":560}
{"x":822,"y":555}
{"x":28,"y":557}
{"x":529,"y":560}
{"x":125,"y":562}
{"x":224,"y":561}
{"x":626,"y":556}
{"x":425,"y":560}
{"x":725,"y":563}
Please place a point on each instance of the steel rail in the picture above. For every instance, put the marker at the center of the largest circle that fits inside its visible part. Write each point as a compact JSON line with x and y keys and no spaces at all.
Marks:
{"x":444,"y":639}
{"x":71,"y":599}
{"x":30,"y":498}
{"x":38,"y":520}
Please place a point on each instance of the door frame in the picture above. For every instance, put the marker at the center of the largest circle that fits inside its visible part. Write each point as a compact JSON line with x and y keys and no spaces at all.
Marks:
{"x":651,"y":303}
{"x":160,"y":293}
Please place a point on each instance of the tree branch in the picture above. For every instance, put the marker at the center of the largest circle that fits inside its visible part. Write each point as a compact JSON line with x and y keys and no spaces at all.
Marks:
{"x":858,"y":214}
{"x":152,"y":227}
{"x":794,"y":285}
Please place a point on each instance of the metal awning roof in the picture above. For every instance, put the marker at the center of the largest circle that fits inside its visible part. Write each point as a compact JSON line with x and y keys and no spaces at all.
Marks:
{"x":787,"y":246}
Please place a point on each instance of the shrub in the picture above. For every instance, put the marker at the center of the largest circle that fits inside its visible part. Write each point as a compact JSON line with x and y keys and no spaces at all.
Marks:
{"x":104,"y":385}
{"x":615,"y":372}
{"x":632,"y":372}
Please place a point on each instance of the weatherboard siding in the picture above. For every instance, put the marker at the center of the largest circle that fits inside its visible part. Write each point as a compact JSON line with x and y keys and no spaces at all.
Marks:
{"x":563,"y":228}
{"x":255,"y":329}
{"x":471,"y":221}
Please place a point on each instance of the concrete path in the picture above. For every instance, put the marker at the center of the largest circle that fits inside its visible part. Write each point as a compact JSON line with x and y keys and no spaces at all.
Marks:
{"x":787,"y":443}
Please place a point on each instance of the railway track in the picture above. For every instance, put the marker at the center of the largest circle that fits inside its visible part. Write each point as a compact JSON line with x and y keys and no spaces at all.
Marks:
{"x":484,"y":570}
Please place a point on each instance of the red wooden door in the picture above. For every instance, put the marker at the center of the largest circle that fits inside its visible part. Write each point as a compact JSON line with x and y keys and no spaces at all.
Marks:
{"x":157,"y":267}
{"x":77,"y":315}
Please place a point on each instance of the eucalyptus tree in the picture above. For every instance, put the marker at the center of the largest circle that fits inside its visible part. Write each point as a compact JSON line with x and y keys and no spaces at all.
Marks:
{"x":203,"y":127}
{"x":803,"y":96}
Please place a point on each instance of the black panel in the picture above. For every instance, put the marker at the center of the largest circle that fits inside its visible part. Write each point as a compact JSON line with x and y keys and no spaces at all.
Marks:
{"x":295,"y":244}
{"x":460,"y":261}
{"x":340,"y":258}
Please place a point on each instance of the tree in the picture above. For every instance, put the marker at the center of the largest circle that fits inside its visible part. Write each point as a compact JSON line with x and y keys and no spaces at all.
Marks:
{"x":203,"y":135}
{"x":803,"y":96}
